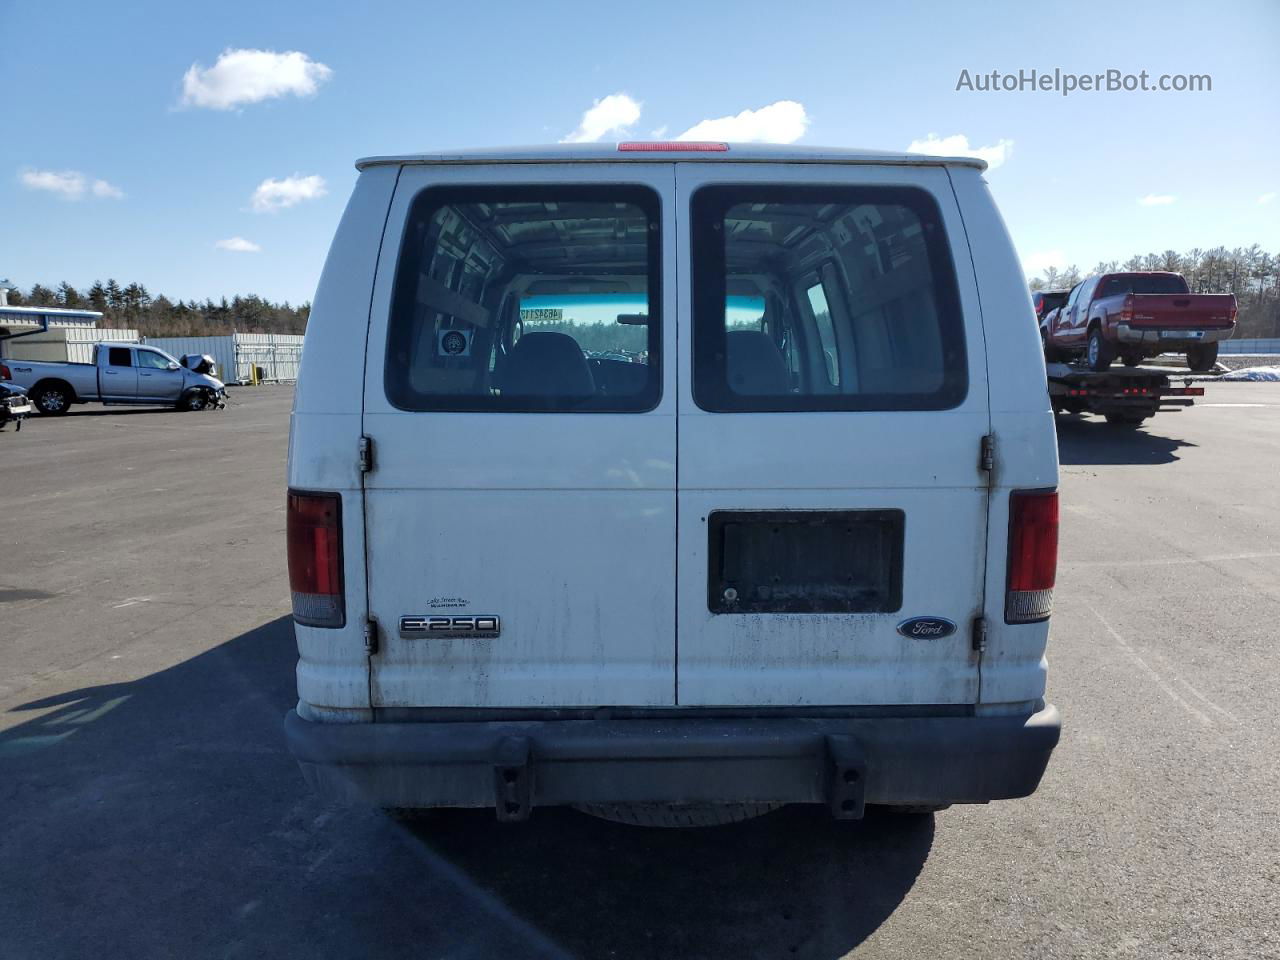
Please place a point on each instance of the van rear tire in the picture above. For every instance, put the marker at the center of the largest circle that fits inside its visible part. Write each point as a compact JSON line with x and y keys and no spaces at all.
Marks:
{"x":409,"y":814}
{"x":676,"y":815}
{"x":912,"y":809}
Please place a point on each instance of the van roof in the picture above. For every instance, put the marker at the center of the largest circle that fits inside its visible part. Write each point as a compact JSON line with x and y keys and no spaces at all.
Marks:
{"x":654,"y":152}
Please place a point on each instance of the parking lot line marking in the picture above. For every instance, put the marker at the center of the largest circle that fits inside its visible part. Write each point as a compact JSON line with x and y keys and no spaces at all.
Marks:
{"x":1173,"y":669}
{"x":1204,"y":718}
{"x":1207,"y":702}
{"x":1172,"y":561}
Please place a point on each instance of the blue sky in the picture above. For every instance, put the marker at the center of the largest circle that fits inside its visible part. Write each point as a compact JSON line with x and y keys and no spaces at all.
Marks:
{"x":98,"y":90}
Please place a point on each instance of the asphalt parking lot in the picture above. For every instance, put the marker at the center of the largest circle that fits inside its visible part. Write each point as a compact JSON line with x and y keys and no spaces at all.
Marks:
{"x":148,"y":806}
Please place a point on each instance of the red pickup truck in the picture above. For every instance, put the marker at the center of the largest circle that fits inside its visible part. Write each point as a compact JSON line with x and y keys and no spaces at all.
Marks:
{"x":1137,"y":315}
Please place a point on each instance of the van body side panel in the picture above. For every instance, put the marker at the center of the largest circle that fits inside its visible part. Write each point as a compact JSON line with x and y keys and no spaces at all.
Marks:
{"x":923,"y":463}
{"x":560,"y":524}
{"x":324,"y":430}
{"x":1014,"y":666}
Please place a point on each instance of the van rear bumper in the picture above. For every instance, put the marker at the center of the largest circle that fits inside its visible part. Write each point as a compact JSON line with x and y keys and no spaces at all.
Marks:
{"x":516,"y":765}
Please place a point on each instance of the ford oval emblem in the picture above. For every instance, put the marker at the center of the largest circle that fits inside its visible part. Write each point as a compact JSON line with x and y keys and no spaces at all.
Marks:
{"x":926,"y":628}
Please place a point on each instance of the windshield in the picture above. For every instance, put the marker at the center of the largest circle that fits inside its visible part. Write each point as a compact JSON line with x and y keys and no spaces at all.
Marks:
{"x":593,"y":321}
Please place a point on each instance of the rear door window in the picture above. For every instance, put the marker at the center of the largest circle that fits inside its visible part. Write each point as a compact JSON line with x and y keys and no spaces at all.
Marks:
{"x":528,"y":299}
{"x":879,"y":329}
{"x":119,"y":357}
{"x":1143,"y":284}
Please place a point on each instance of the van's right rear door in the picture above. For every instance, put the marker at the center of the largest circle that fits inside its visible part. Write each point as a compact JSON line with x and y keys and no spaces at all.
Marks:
{"x":832,"y":414}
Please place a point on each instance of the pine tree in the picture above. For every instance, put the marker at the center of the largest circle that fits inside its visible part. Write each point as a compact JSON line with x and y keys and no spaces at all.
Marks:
{"x":42,"y":296}
{"x":98,"y":297}
{"x":68,"y":296}
{"x":114,"y":301}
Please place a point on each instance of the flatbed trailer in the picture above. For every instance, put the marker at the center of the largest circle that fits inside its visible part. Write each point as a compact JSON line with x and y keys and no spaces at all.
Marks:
{"x":1125,"y":396}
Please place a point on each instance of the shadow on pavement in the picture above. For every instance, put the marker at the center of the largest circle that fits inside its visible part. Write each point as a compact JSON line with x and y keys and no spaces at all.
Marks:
{"x":1091,"y":440}
{"x":116,"y":411}
{"x":164,"y":817}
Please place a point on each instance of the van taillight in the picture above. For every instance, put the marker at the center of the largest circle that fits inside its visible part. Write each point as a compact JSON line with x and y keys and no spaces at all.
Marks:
{"x":314,"y":525}
{"x":1033,"y":555}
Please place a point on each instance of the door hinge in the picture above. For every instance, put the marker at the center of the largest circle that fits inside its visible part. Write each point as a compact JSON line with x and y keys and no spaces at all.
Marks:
{"x":979,"y":633}
{"x":987,"y":453}
{"x":370,"y":635}
{"x":364,"y":454}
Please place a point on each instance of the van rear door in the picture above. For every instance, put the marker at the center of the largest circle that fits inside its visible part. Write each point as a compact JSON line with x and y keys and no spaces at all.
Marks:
{"x":832,"y":505}
{"x":519,"y":395}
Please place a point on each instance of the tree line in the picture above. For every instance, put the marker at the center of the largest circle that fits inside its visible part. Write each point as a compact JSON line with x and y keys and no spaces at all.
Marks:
{"x":1251,"y":273}
{"x":596,"y":337}
{"x":133,"y":307}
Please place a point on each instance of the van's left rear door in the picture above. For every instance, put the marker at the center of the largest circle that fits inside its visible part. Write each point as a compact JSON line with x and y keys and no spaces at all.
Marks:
{"x":559,"y":524}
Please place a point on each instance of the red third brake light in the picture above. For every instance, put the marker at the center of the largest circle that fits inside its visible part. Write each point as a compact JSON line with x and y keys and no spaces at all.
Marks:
{"x":672,"y":146}
{"x":1033,"y":555}
{"x":314,"y":525}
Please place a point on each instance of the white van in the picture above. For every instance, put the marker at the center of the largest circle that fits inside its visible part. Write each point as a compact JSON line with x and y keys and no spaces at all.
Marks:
{"x":675,"y":482}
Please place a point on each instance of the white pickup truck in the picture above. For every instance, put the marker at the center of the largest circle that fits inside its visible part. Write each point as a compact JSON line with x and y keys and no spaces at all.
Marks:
{"x":121,"y":373}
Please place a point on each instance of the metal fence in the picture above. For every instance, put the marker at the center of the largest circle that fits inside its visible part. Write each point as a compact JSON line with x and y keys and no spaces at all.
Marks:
{"x":1260,"y":345}
{"x":80,"y":341}
{"x":273,"y":356}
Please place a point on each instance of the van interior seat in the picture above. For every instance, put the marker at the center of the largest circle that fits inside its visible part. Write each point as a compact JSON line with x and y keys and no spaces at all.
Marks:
{"x":618,"y":378}
{"x":755,"y":365}
{"x":547,"y":364}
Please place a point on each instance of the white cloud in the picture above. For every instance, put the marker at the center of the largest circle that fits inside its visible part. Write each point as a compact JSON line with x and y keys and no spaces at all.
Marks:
{"x":103,"y":189}
{"x":957,"y":145}
{"x":65,"y":183}
{"x":1037,"y":263}
{"x":612,"y":114}
{"x":1157,"y":199}
{"x":68,"y":184}
{"x":660,"y":133}
{"x":248,"y":76}
{"x":1266,"y":198}
{"x":238,"y":245}
{"x":782,"y":122}
{"x":273,"y":195}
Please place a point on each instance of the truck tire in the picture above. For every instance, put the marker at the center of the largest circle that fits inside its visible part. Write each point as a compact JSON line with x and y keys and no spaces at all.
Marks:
{"x":1202,"y":358}
{"x":52,"y":399}
{"x":1100,"y":352}
{"x":1126,"y":419}
{"x":194,"y":400}
{"x":676,"y":814}
{"x":1051,"y":354}
{"x":1130,"y":359}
